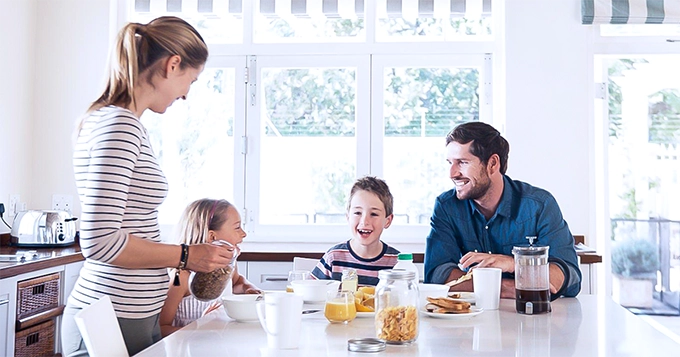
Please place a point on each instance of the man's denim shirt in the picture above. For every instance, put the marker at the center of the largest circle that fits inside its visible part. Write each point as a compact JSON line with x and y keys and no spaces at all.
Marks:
{"x":457,"y":227}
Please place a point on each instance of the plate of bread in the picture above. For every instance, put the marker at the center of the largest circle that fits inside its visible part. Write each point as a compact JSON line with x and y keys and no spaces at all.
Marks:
{"x":449,"y":308}
{"x":463,"y":296}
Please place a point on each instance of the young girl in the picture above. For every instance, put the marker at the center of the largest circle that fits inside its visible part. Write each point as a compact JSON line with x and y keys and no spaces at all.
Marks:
{"x":203,"y":221}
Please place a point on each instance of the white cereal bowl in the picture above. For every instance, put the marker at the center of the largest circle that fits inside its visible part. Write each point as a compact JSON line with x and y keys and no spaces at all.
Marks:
{"x":241,"y":307}
{"x":431,"y":290}
{"x":314,"y":290}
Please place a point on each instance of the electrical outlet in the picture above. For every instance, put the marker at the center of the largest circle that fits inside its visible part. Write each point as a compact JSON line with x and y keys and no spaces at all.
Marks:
{"x":12,"y":205}
{"x":62,"y":202}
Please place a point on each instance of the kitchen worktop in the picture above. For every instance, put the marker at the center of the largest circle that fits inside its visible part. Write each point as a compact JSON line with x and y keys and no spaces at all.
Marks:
{"x":588,"y":325}
{"x":43,"y":258}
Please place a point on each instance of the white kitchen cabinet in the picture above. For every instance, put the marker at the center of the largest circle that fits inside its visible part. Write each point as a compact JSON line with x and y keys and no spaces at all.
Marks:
{"x":269,"y":275}
{"x":71,"y":273}
{"x":8,"y":288}
{"x":8,"y":292}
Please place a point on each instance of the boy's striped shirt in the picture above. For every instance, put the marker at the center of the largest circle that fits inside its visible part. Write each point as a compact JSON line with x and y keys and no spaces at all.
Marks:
{"x":341,"y":257}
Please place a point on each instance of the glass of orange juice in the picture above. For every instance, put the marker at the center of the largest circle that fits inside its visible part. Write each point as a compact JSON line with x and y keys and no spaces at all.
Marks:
{"x":340,"y":307}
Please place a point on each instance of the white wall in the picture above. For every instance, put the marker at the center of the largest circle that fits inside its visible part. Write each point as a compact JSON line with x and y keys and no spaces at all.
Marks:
{"x":17,"y":36}
{"x":71,"y":51}
{"x":549,"y":130}
{"x":549,"y":103}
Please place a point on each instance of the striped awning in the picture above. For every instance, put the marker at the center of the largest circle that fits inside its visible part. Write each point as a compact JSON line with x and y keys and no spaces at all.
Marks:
{"x":471,"y":9}
{"x":215,"y":7}
{"x":384,"y":8}
{"x":630,"y":12}
{"x":312,"y":8}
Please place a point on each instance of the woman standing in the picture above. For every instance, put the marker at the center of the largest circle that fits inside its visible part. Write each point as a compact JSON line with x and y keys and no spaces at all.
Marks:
{"x":121,"y":185}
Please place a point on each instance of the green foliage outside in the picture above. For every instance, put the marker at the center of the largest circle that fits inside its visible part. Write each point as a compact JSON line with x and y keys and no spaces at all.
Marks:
{"x":635,"y":258}
{"x":664,"y":117}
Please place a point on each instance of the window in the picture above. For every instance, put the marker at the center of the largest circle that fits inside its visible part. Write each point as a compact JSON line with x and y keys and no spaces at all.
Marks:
{"x":307,"y":96}
{"x":636,"y":64}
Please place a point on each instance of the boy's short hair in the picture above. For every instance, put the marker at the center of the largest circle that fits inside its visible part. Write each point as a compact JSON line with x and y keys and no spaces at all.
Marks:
{"x":376,"y":186}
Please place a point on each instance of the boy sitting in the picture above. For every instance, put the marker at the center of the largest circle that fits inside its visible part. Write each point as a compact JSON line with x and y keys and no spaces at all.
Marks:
{"x":369,"y":211}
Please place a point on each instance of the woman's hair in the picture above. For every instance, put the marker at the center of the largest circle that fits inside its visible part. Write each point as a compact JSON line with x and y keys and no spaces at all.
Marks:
{"x":376,"y":186}
{"x":199,"y":217}
{"x":140,"y":50}
{"x":486,"y":141}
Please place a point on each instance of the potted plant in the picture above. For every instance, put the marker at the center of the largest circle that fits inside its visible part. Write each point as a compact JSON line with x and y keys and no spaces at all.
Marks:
{"x":634,"y":264}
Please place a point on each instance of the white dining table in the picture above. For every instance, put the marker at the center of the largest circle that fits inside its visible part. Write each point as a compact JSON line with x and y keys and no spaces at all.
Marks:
{"x":588,"y":325}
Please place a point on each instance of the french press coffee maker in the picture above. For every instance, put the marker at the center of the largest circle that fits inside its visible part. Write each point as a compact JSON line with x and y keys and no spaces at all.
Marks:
{"x":532,"y":280}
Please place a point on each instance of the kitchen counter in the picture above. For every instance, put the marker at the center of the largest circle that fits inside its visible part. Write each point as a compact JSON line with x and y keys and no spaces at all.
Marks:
{"x":44,"y":258}
{"x":585,"y":326}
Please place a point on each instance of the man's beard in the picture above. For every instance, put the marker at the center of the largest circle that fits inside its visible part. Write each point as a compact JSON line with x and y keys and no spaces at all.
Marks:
{"x":479,"y":190}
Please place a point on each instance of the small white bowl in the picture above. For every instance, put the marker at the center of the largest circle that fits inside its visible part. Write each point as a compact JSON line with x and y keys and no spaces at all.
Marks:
{"x":241,"y":307}
{"x":431,"y":290}
{"x":314,"y":290}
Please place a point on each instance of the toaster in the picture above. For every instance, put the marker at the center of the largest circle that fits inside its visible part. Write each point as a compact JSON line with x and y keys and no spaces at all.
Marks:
{"x":42,"y":229}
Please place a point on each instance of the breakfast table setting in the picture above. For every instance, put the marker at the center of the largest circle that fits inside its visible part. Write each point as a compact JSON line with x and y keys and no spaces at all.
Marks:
{"x":588,"y":325}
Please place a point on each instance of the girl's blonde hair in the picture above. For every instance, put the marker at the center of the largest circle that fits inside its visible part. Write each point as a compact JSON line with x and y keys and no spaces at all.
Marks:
{"x":200,"y":217}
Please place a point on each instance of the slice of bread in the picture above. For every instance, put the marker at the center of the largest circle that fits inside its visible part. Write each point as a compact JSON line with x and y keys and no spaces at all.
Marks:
{"x":449,"y":303}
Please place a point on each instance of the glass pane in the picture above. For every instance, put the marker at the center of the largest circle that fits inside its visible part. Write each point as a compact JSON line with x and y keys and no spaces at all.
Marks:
{"x":308,"y":144}
{"x":214,"y":29}
{"x":308,"y":28}
{"x":644,"y":138}
{"x":640,"y":30}
{"x":421,"y":105}
{"x":194,"y":142}
{"x":433,"y":29}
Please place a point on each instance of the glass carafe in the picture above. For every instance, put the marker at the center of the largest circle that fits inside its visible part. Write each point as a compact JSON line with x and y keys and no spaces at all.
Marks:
{"x":532,"y":279}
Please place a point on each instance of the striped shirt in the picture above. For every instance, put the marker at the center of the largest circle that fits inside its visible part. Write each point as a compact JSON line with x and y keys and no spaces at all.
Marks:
{"x":341,"y":256}
{"x":190,"y":309}
{"x":120,"y":185}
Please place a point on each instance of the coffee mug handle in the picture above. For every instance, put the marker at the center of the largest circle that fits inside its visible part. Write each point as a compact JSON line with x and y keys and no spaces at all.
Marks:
{"x":262,"y":317}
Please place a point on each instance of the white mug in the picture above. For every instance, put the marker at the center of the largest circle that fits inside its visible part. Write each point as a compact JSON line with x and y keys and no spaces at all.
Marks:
{"x":280,"y":315}
{"x":486,"y":283}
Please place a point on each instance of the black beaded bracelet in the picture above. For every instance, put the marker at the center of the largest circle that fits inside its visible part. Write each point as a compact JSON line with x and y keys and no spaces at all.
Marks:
{"x":184,"y":257}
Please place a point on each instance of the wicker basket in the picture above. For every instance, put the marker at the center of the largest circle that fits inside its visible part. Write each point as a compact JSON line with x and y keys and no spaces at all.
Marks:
{"x":35,"y":341}
{"x":37,"y":295}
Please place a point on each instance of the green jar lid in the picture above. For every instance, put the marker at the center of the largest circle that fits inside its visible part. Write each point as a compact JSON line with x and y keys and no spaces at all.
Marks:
{"x":405,"y":256}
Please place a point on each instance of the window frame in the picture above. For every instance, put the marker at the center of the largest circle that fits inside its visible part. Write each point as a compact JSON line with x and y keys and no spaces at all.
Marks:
{"x":370,"y":54}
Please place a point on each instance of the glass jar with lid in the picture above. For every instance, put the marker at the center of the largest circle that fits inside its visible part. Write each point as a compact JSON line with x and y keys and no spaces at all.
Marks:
{"x":396,"y":302}
{"x":350,"y":280}
{"x":210,"y":286}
